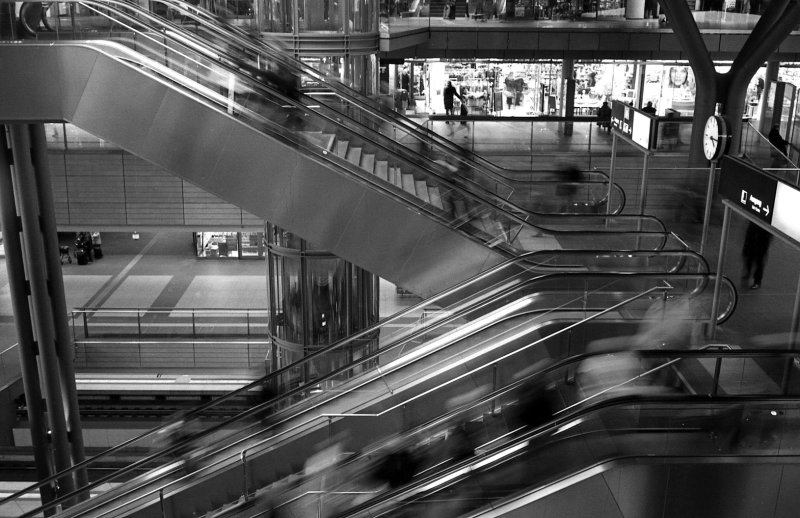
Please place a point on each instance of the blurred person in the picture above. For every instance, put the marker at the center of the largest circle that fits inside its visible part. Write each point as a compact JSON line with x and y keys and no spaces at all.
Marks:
{"x":276,"y":74}
{"x":537,"y":399}
{"x":570,"y":175}
{"x":754,"y":253}
{"x":609,"y":375}
{"x":462,"y":440}
{"x":649,"y":108}
{"x":397,"y":468}
{"x":449,"y":94}
{"x":177,"y":436}
{"x":670,"y":323}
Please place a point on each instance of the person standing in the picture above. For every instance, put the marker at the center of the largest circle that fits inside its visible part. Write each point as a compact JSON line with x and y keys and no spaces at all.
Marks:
{"x":604,"y":117}
{"x":649,"y":108}
{"x":754,"y":252}
{"x":450,"y":93}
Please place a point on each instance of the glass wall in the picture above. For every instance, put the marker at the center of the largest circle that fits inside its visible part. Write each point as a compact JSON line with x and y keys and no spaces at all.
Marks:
{"x":335,"y":16}
{"x":316,"y":299}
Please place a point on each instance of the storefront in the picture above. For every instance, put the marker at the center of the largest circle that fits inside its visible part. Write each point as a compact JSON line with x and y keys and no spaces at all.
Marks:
{"x":508,"y":89}
{"x":229,"y":245}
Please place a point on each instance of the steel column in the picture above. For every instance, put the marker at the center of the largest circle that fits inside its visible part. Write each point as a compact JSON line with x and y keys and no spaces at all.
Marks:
{"x":33,"y":251}
{"x":707,"y":208}
{"x":611,"y":170}
{"x":723,"y":244}
{"x":65,"y":349}
{"x":15,"y":266}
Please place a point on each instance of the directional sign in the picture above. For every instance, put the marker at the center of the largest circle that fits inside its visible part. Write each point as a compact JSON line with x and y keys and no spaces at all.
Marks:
{"x":786,"y":216}
{"x":747,"y":187}
{"x":634,"y":124}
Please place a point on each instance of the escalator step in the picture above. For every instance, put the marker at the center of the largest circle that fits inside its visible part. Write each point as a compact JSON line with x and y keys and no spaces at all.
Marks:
{"x":422,"y":190}
{"x":435,"y":197}
{"x":460,"y":209}
{"x":354,"y":155}
{"x":382,"y":170}
{"x":407,"y":183}
{"x":397,"y":177}
{"x":368,"y":162}
{"x":341,"y":148}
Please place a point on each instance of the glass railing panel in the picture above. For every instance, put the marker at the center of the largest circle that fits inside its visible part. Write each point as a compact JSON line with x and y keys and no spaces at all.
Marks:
{"x":614,"y":260}
{"x":394,"y":20}
{"x":757,"y":149}
{"x":188,"y":323}
{"x":740,"y":376}
{"x":674,"y":134}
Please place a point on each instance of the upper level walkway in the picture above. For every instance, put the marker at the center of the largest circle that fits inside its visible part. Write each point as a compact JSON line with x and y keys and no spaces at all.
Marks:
{"x":603,"y":37}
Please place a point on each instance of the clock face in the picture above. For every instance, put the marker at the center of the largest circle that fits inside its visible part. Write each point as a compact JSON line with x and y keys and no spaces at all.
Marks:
{"x":715,"y":136}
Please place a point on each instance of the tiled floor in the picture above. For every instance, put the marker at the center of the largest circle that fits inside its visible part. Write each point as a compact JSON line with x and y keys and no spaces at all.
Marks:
{"x":160,"y":270}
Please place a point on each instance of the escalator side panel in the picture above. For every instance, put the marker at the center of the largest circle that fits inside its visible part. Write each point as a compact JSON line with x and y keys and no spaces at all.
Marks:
{"x":264,"y":176}
{"x":734,"y":489}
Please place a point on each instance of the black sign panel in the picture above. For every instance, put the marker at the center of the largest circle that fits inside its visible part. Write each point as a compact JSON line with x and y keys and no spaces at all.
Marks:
{"x":635,"y":124}
{"x":622,"y":117}
{"x":744,"y":185}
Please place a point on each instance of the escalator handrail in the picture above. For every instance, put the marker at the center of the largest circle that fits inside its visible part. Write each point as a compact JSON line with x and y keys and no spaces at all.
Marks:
{"x":133,"y":466}
{"x":258,"y":45}
{"x":577,"y":411}
{"x":298,"y":389}
{"x":316,"y":417}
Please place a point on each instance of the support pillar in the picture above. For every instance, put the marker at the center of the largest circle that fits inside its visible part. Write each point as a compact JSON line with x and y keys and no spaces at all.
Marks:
{"x":568,"y":93}
{"x":31,"y":383}
{"x":58,"y":299}
{"x":770,"y":76}
{"x":43,"y":280}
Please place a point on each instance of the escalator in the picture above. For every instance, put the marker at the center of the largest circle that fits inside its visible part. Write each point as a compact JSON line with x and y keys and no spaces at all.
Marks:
{"x":397,"y":387}
{"x":708,"y":443}
{"x":275,"y":157}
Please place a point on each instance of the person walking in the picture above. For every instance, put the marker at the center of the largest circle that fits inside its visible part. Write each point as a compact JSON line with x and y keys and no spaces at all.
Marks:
{"x":450,"y":93}
{"x":754,"y":252}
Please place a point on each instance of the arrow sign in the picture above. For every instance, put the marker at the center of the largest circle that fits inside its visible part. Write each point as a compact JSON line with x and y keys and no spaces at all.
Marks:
{"x":743,"y":184}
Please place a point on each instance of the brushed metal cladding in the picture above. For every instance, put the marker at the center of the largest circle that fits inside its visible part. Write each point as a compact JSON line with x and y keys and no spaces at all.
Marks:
{"x":265,"y":176}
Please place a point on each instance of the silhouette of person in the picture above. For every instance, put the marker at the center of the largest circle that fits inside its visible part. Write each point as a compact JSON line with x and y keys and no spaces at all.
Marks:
{"x":776,"y":139}
{"x":604,"y":116}
{"x":450,"y":93}
{"x":754,"y":252}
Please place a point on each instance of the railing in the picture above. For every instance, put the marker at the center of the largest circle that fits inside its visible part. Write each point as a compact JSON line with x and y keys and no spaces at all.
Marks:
{"x":527,"y":142}
{"x":495,"y":305}
{"x":756,"y":148}
{"x":424,"y":13}
{"x":170,"y":338}
{"x":640,"y":404}
{"x":178,"y":323}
